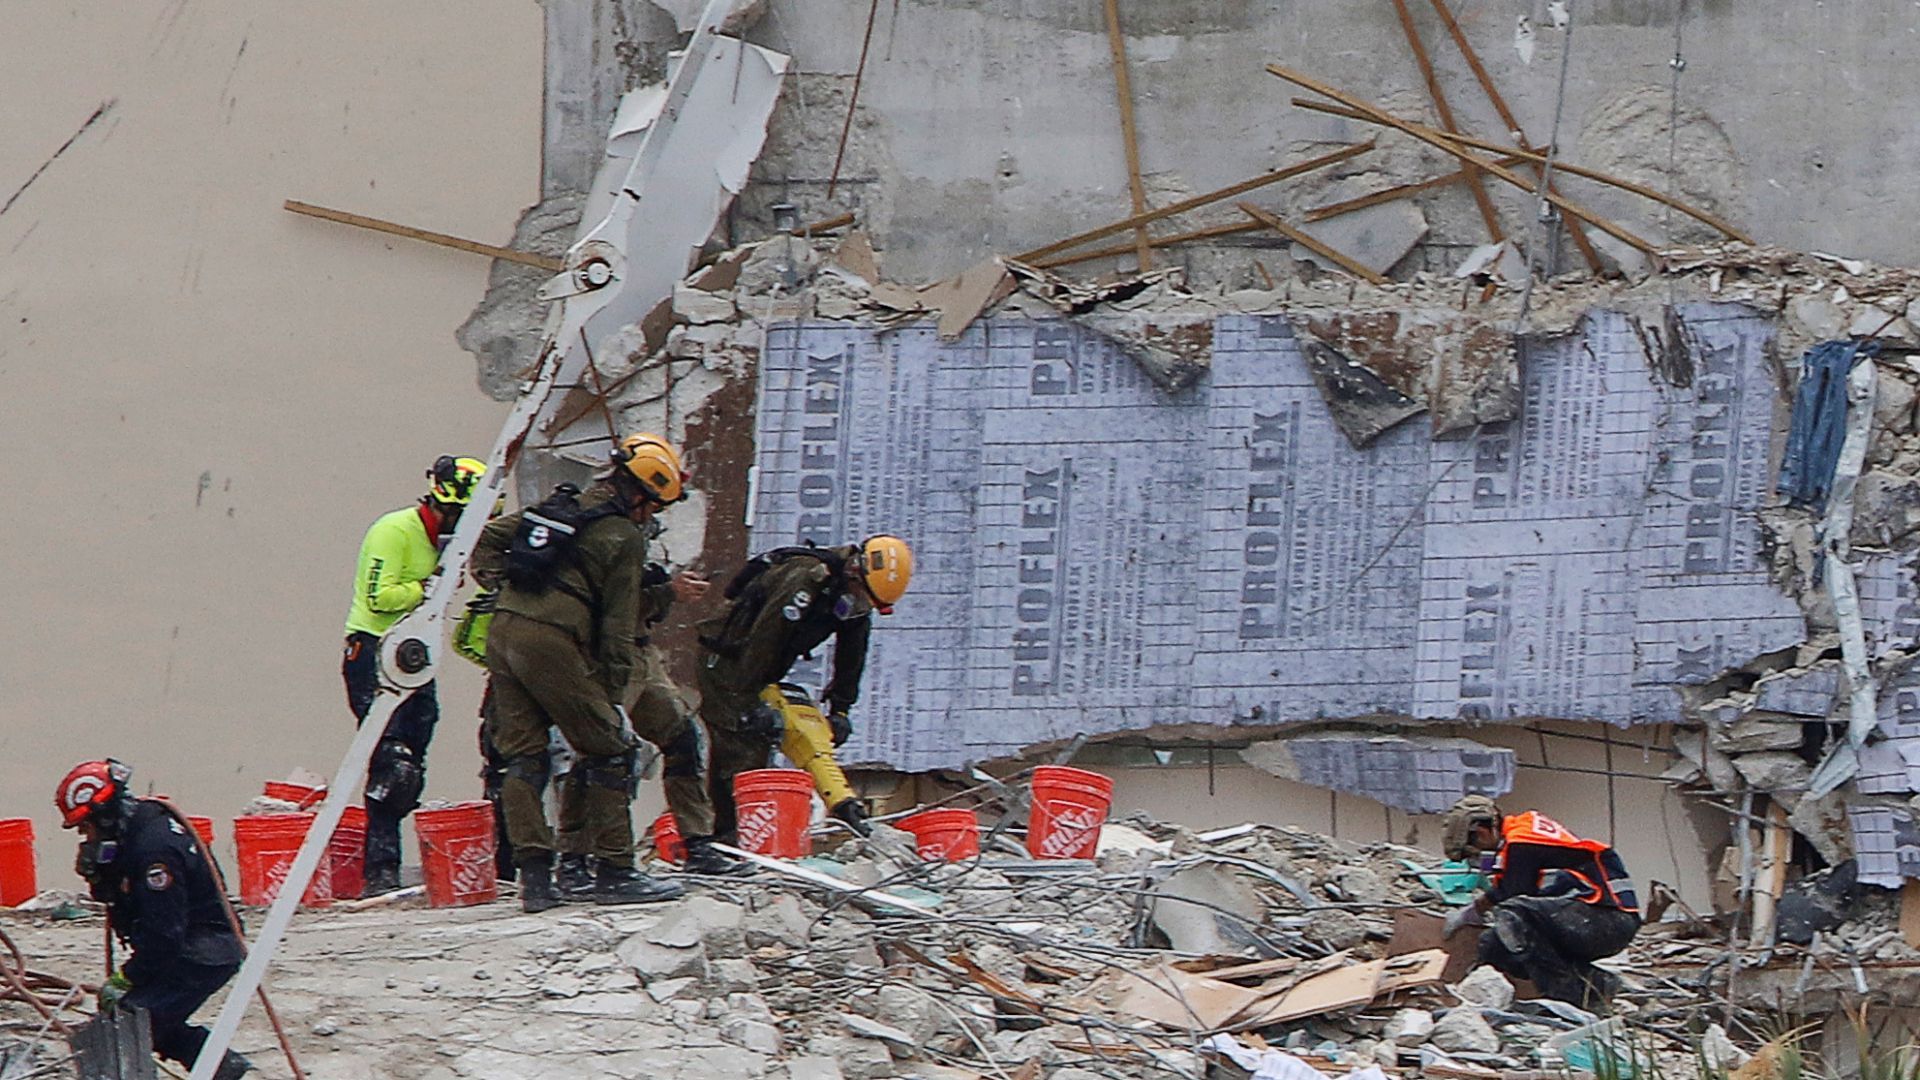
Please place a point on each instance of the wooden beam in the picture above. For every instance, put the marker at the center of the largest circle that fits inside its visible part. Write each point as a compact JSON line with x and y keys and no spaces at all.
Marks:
{"x":1195,"y":202}
{"x":1229,"y":229}
{"x":1514,"y":131}
{"x":1340,"y":259}
{"x":1447,"y":144}
{"x":1394,"y":194}
{"x":1475,"y":184}
{"x":1776,"y":849}
{"x":392,"y":228}
{"x":1375,"y":117}
{"x":1117,"y":44}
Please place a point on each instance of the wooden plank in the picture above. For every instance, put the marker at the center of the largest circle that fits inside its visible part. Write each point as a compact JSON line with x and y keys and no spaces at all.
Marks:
{"x":1770,"y":880}
{"x":1475,"y":183}
{"x":1196,"y":202}
{"x":115,"y":1045}
{"x":1117,"y":44}
{"x":1341,"y":259}
{"x":1455,"y":146}
{"x":1429,"y":135}
{"x":1171,"y":997}
{"x":1398,"y":192}
{"x":393,"y":228}
{"x":1341,"y":988}
{"x":1910,"y":914}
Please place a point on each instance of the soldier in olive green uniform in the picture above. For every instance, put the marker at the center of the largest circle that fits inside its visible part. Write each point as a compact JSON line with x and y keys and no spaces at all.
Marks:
{"x":785,"y":604}
{"x":560,"y":654}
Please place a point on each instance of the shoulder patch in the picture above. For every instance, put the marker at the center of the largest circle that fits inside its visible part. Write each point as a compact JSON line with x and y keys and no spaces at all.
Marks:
{"x":159,"y":878}
{"x":175,"y":826}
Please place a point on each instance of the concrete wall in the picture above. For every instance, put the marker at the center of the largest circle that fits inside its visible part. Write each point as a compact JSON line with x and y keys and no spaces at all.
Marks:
{"x":203,"y":399}
{"x":990,"y":126}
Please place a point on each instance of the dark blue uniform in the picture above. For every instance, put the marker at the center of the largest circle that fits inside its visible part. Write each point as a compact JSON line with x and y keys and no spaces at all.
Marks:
{"x":161,"y":896}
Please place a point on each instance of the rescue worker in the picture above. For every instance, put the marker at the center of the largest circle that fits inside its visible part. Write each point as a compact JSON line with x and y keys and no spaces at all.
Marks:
{"x":397,"y":560}
{"x":162,"y":900}
{"x":1557,"y":902}
{"x":783,"y":605}
{"x":561,"y":654}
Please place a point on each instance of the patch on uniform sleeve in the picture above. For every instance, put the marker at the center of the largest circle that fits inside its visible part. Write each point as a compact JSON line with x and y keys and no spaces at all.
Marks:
{"x":797,"y":606}
{"x":159,"y":878}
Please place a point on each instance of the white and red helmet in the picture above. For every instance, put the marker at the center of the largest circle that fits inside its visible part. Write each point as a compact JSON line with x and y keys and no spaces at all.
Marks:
{"x":88,"y":786}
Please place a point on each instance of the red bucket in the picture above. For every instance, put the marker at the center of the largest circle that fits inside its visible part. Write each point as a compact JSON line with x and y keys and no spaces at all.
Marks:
{"x":944,"y":835}
{"x":17,"y":882}
{"x":348,"y":850}
{"x":773,"y":806}
{"x":666,"y":839}
{"x":456,"y":852}
{"x":266,"y":845}
{"x":203,"y":828}
{"x":299,"y":795}
{"x":1069,"y":806}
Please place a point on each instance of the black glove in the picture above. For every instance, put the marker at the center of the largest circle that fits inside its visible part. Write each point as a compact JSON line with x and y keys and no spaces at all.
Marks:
{"x":763,"y":721}
{"x":842,"y":726}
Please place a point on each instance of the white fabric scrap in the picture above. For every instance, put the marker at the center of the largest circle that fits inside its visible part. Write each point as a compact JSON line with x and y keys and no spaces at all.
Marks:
{"x":1277,"y":1064}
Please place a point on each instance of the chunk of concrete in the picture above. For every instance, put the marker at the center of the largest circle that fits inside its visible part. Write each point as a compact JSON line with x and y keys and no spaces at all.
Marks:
{"x":1781,"y":775}
{"x":650,"y":961}
{"x":698,"y":306}
{"x":702,"y":920}
{"x":814,"y":1068}
{"x":1485,"y":987}
{"x":1334,"y":928}
{"x":858,"y":1059}
{"x":1408,"y":1027}
{"x":756,"y":1035}
{"x":778,"y":921}
{"x":1208,"y":909}
{"x":1464,"y":1031}
{"x":896,"y":1039}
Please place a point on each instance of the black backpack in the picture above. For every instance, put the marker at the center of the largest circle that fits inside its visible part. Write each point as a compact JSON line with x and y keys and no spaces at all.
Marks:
{"x":748,"y":594}
{"x":547,"y":535}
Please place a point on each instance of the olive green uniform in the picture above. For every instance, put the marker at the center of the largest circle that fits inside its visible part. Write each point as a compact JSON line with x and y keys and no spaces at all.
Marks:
{"x":804,"y":604}
{"x":561,"y":657}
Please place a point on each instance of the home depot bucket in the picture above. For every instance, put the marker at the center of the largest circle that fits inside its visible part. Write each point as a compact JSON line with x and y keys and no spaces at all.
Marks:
{"x":666,"y":839}
{"x":299,"y":795}
{"x":17,"y":882}
{"x":266,"y":845}
{"x":944,"y":835}
{"x":772,"y":807}
{"x":1069,"y":806}
{"x":456,"y":853}
{"x":203,"y":828}
{"x":348,"y":850}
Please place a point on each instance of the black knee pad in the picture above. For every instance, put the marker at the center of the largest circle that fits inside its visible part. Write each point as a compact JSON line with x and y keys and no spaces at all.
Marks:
{"x":614,"y":772}
{"x":532,"y":770}
{"x":396,"y":778}
{"x":686,"y":753}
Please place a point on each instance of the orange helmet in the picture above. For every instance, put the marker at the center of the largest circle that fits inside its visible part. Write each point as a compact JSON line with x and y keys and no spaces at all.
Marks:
{"x":886,"y":566}
{"x":87,"y":787}
{"x":654,"y":462}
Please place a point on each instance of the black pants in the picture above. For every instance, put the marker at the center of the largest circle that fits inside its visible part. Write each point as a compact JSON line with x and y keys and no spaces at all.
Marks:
{"x":493,"y":775}
{"x":399,"y":766}
{"x":1553,"y":940}
{"x":173,"y":996}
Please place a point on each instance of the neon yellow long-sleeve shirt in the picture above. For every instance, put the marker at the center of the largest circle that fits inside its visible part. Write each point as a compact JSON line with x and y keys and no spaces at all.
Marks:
{"x":396,"y":556}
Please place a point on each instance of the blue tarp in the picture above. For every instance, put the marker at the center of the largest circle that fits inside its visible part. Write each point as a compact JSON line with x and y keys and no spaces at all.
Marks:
{"x":1819,"y":421}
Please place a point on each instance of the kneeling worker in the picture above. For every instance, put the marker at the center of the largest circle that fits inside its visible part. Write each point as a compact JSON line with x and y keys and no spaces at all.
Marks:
{"x":784,"y":604}
{"x":162,"y":900}
{"x":1557,"y":904}
{"x":561,"y":654}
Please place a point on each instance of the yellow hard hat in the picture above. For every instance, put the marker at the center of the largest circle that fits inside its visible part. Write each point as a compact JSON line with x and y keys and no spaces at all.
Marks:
{"x":654,"y":462}
{"x":886,"y":566}
{"x":454,"y":479}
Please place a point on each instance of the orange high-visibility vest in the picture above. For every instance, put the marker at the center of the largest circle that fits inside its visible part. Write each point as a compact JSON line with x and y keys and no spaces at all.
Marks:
{"x":1605,"y":881}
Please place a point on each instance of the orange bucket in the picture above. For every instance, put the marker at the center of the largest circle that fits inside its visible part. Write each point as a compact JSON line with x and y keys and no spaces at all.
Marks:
{"x":299,"y":795}
{"x":348,"y":850}
{"x":944,"y":835}
{"x":456,"y":853}
{"x":773,"y":807}
{"x":17,"y":882}
{"x":203,"y":828}
{"x":666,"y":839}
{"x":1069,"y":806}
{"x":266,"y":845}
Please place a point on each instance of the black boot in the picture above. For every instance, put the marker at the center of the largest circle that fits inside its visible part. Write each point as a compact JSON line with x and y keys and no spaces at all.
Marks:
{"x":573,"y":879}
{"x":232,"y":1067}
{"x":536,"y":884}
{"x":704,"y":858}
{"x":625,"y":885}
{"x":380,"y":880}
{"x":854,"y":814}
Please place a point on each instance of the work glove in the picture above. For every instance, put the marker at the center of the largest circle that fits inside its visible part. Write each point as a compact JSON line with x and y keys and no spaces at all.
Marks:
{"x":1461,"y":919}
{"x":842,"y":726}
{"x":763,"y":721}
{"x":113,"y":990}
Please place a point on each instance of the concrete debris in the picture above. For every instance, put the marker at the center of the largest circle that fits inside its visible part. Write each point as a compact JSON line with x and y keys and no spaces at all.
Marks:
{"x":736,"y":16}
{"x":1464,"y":1030}
{"x":1780,"y":774}
{"x":1486,"y":988}
{"x":1208,"y":909}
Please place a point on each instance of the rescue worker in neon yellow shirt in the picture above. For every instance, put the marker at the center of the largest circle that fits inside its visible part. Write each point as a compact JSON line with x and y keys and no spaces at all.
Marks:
{"x":397,"y":561}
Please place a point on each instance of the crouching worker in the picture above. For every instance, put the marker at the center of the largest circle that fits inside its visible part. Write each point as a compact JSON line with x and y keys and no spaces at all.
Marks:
{"x":1558,"y":903}
{"x":162,"y":901}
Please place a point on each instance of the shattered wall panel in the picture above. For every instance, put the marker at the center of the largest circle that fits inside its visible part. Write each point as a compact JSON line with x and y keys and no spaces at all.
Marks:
{"x":1098,"y":554}
{"x":1886,"y":841}
{"x":1889,"y":584}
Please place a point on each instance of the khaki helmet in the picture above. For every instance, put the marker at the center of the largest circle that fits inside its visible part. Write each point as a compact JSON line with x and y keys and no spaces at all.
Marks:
{"x":886,"y":566}
{"x":1458,"y":825}
{"x":654,"y":462}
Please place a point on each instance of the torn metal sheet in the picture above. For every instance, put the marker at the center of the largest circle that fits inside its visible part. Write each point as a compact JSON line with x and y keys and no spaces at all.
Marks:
{"x":1100,"y":555}
{"x":1173,"y":350}
{"x":1417,"y":774}
{"x":1363,"y":404}
{"x":1475,"y":375}
{"x":1808,"y":693}
{"x":1836,"y":537}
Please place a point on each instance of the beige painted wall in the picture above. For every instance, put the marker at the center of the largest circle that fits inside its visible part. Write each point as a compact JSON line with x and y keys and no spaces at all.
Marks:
{"x":203,"y":399}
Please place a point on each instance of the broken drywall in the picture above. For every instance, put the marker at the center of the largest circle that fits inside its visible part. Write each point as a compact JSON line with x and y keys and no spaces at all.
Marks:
{"x":1418,"y":774}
